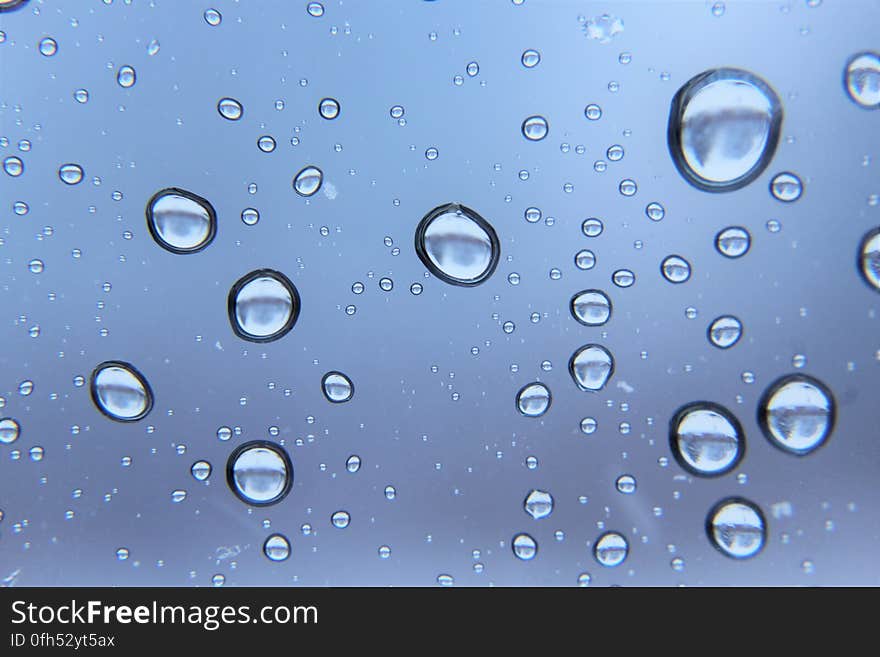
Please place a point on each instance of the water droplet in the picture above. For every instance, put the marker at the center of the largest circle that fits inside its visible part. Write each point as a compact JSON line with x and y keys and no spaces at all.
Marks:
{"x":538,"y":504}
{"x":9,"y":430}
{"x":353,"y":463}
{"x":213,"y":17}
{"x":266,"y":143}
{"x":472,"y":69}
{"x":457,"y":245}
{"x":592,"y":227}
{"x":593,"y":112}
{"x":591,"y":366}
{"x":36,"y":266}
{"x":120,"y":391}
{"x":626,"y":484}
{"x":25,"y":388}
{"x":340,"y":519}
{"x":623,"y":278}
{"x":200,"y":470}
{"x":535,"y":128}
{"x":259,"y":473}
{"x":725,"y":331}
{"x":861,"y":78}
{"x":70,"y":174}
{"x":153,"y":47}
{"x":737,"y":528}
{"x":81,"y":96}
{"x":603,"y":28}
{"x":432,"y":153}
{"x":328,"y":108}
{"x":614,"y":153}
{"x":308,"y":181}
{"x":706,"y":439}
{"x":723,"y":129}
{"x":13,"y":166}
{"x":250,"y":216}
{"x":733,"y":242}
{"x":531,"y":58}
{"x":263,"y":306}
{"x":315,"y":9}
{"x":122,"y":554}
{"x":869,"y":258}
{"x":276,"y":547}
{"x":524,"y":547}
{"x":628,"y":187}
{"x":397,"y":111}
{"x":796,"y":413}
{"x":230,"y":109}
{"x":611,"y":549}
{"x":180,"y":221}
{"x":786,"y":187}
{"x":585,"y":259}
{"x":675,"y":269}
{"x":533,"y":400}
{"x":591,"y":307}
{"x":126,"y":77}
{"x":178,"y":496}
{"x":337,"y":387}
{"x":48,"y":46}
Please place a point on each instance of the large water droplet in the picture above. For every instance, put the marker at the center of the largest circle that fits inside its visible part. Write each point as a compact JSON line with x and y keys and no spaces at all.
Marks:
{"x":706,"y":439}
{"x":180,"y":221}
{"x":737,"y":528}
{"x":120,"y":392}
{"x":591,"y":307}
{"x":200,"y":470}
{"x":126,"y":77}
{"x":591,"y":366}
{"x":861,"y":78}
{"x":230,"y":109}
{"x":457,"y":245}
{"x":524,"y":547}
{"x":869,"y":258}
{"x":9,"y":430}
{"x":259,"y":473}
{"x":797,"y":413}
{"x":723,"y":129}
{"x":263,"y":306}
{"x":70,"y":174}
{"x":611,"y":549}
{"x":328,"y":108}
{"x":675,"y":269}
{"x":725,"y":331}
{"x":733,"y":242}
{"x":308,"y":181}
{"x":538,"y":504}
{"x":535,"y":128}
{"x":337,"y":387}
{"x":276,"y":547}
{"x":533,"y":400}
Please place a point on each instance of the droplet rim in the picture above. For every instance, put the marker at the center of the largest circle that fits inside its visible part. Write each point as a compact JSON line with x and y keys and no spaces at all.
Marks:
{"x":494,"y":244}
{"x":673,"y":131}
{"x":773,"y":388}
{"x":296,"y":305}
{"x":93,"y":389}
{"x":203,"y":202}
{"x":710,"y":533}
{"x":324,"y":388}
{"x":723,"y":412}
{"x":230,"y":471}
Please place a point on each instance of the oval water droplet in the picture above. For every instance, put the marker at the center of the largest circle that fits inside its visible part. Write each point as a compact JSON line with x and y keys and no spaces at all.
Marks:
{"x":675,"y":269}
{"x":786,"y":187}
{"x":213,"y":17}
{"x":623,"y":278}
{"x":533,"y":400}
{"x":591,"y":367}
{"x":263,"y":306}
{"x":340,"y":519}
{"x":538,"y":504}
{"x":120,"y":391}
{"x":611,"y":549}
{"x":796,"y":413}
{"x":328,"y":108}
{"x":723,"y":129}
{"x":230,"y":109}
{"x":200,"y":470}
{"x":457,"y":245}
{"x":13,"y":166}
{"x":531,"y":58}
{"x":869,"y":258}
{"x":706,"y":439}
{"x":276,"y":547}
{"x":126,"y":77}
{"x":535,"y":128}
{"x":524,"y":547}
{"x":591,"y":307}
{"x":10,"y":430}
{"x":180,"y":221}
{"x":861,"y":79}
{"x":625,"y":484}
{"x":725,"y":331}
{"x":737,"y":528}
{"x":308,"y":181}
{"x":733,"y":242}
{"x":259,"y":473}
{"x":70,"y":174}
{"x":337,"y":387}
{"x":48,"y":46}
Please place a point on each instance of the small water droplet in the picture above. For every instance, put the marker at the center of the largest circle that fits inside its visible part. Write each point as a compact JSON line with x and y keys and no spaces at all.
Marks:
{"x":201,"y":470}
{"x":70,"y":174}
{"x":10,"y":430}
{"x":675,"y":269}
{"x":524,"y":547}
{"x":531,"y":58}
{"x":48,"y":46}
{"x":591,"y":307}
{"x":786,"y":187}
{"x":276,"y":547}
{"x":213,"y":17}
{"x":230,"y":109}
{"x":457,"y":245}
{"x":328,"y":108}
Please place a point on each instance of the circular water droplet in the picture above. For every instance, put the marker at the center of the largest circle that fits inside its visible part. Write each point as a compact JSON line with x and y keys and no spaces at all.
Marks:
{"x":535,"y":128}
{"x":533,"y":400}
{"x":337,"y":387}
{"x":706,"y":439}
{"x":397,"y":111}
{"x":200,"y":470}
{"x":180,"y":221}
{"x":524,"y":547}
{"x":723,"y":129}
{"x":725,"y":331}
{"x":538,"y":504}
{"x":36,"y":266}
{"x":120,"y":391}
{"x":432,"y":153}
{"x":628,"y":187}
{"x":328,"y":108}
{"x":340,"y":519}
{"x":869,"y":258}
{"x":70,"y":174}
{"x":266,"y":143}
{"x":457,"y":245}
{"x":592,"y":227}
{"x":276,"y":547}
{"x":13,"y":166}
{"x":472,"y":69}
{"x":585,"y":259}
{"x":626,"y":484}
{"x":861,"y":79}
{"x":531,"y":58}
{"x":263,"y":306}
{"x":737,"y":528}
{"x":623,"y":278}
{"x":230,"y":109}
{"x":250,"y":216}
{"x":796,"y":413}
{"x":591,"y":307}
{"x":10,"y":430}
{"x":259,"y":473}
{"x":48,"y":46}
{"x":786,"y":187}
{"x":308,"y":181}
{"x":591,"y":367}
{"x":213,"y":17}
{"x":675,"y":269}
{"x":611,"y":549}
{"x":655,"y":211}
{"x":593,"y":112}
{"x":733,"y":242}
{"x":126,"y":77}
